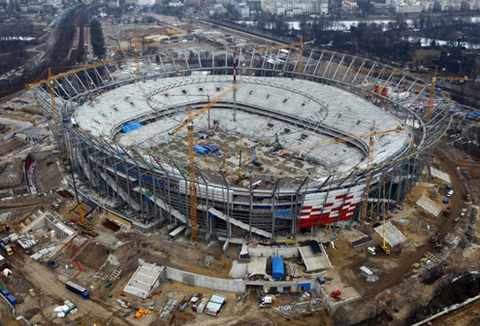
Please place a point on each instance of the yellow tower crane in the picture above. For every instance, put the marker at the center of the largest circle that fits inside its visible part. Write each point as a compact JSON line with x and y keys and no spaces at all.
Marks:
{"x":371,"y":148}
{"x":334,"y":141}
{"x":57,"y":120}
{"x":287,"y":46}
{"x":368,"y":176}
{"x":191,"y":156}
{"x":385,"y":247}
{"x":135,"y":51}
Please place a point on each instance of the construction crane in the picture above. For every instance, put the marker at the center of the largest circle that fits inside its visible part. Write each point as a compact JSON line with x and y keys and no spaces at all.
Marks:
{"x":371,"y":147}
{"x":240,"y":176}
{"x":368,"y":176}
{"x":191,"y":157}
{"x":135,"y":51}
{"x":204,"y":95}
{"x":334,"y":141}
{"x":255,"y":161}
{"x":287,"y":46}
{"x":193,"y":177}
{"x":204,"y":109}
{"x":69,"y":73}
{"x":385,"y":247}
{"x":56,"y":120}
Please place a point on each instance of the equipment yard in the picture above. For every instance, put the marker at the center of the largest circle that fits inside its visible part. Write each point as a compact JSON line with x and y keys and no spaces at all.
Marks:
{"x":86,"y":246}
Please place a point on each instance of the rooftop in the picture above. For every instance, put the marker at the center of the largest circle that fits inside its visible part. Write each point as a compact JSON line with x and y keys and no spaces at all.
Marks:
{"x":301,"y":116}
{"x":144,"y":280}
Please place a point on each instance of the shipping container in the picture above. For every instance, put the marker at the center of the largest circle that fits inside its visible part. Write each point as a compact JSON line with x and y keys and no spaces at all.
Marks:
{"x":4,"y":291}
{"x":77,"y":289}
{"x":13,"y":301}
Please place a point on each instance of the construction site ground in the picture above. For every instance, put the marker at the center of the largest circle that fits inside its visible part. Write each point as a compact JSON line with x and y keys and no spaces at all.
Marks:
{"x":392,"y":299}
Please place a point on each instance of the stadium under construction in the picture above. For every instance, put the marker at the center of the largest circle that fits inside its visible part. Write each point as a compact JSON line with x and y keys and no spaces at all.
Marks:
{"x":278,"y":149}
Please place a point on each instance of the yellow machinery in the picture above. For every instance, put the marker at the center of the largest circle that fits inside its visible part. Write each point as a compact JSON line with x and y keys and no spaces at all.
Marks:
{"x":334,"y":141}
{"x":371,"y":148}
{"x":191,"y":157}
{"x":56,"y":119}
{"x":142,"y":312}
{"x":287,"y":46}
{"x":135,"y":50}
{"x":372,"y":134}
{"x":385,"y":247}
{"x":193,"y":181}
{"x":68,"y":73}
{"x":433,"y":87}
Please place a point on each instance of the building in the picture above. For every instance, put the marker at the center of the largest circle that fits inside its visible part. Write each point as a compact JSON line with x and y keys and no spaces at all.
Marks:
{"x":274,"y":122}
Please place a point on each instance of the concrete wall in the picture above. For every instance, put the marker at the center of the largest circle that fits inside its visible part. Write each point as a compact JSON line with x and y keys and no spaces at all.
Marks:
{"x":214,"y":283}
{"x":274,"y":251}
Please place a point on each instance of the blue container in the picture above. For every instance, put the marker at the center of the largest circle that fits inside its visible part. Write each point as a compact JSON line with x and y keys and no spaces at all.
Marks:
{"x":449,"y":187}
{"x":445,"y":201}
{"x":64,"y":120}
{"x":439,"y":89}
{"x":451,"y":111}
{"x":321,"y":280}
{"x":278,"y":268}
{"x":13,"y":301}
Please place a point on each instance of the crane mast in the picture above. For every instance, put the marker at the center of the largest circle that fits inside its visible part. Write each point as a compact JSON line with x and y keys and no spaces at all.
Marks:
{"x":193,"y":182}
{"x":191,"y":157}
{"x":385,"y":247}
{"x":433,"y":87}
{"x":371,"y":148}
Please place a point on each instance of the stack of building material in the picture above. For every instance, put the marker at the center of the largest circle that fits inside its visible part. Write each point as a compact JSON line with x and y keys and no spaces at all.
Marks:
{"x":68,"y":308}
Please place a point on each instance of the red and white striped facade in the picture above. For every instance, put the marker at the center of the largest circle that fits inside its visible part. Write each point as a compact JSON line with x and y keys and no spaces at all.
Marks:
{"x":330,"y":206}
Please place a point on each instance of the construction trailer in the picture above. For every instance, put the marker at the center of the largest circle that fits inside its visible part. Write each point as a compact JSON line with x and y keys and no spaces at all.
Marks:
{"x":75,"y":288}
{"x":217,"y":301}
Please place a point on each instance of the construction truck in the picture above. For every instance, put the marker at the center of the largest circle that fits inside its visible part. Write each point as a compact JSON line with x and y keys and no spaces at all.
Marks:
{"x":386,"y":249}
{"x":5,"y":247}
{"x":436,"y":237}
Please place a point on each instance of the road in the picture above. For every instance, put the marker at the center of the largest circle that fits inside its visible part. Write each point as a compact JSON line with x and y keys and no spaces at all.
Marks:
{"x":43,"y":278}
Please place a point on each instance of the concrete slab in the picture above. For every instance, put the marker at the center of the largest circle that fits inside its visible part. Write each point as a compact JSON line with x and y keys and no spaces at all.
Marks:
{"x":440,"y":175}
{"x":393,"y":235}
{"x":144,"y":280}
{"x":238,"y":270}
{"x":314,"y":262}
{"x":257,"y":268}
{"x":334,"y":283}
{"x":429,"y":206}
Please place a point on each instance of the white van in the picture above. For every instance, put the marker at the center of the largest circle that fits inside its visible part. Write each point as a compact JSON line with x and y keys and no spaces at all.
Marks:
{"x":450,"y":193}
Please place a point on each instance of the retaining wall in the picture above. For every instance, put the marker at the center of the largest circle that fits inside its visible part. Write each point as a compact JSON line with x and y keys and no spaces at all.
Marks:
{"x":214,"y":283}
{"x":274,"y":251}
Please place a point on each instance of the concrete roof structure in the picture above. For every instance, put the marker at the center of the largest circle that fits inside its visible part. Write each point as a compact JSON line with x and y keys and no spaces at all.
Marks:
{"x":257,"y":266}
{"x":301,"y":113}
{"x":145,"y":279}
{"x":393,"y":235}
{"x":429,"y":205}
{"x":314,"y":262}
{"x":440,"y":175}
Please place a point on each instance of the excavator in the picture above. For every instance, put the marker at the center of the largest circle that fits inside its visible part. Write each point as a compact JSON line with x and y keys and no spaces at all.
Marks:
{"x":436,"y":239}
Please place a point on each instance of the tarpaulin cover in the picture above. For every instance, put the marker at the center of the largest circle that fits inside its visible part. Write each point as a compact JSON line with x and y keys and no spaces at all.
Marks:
{"x":131,"y":126}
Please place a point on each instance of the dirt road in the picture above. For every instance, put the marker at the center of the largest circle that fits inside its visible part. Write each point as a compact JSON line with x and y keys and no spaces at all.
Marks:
{"x":399,"y":266}
{"x":54,"y":289}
